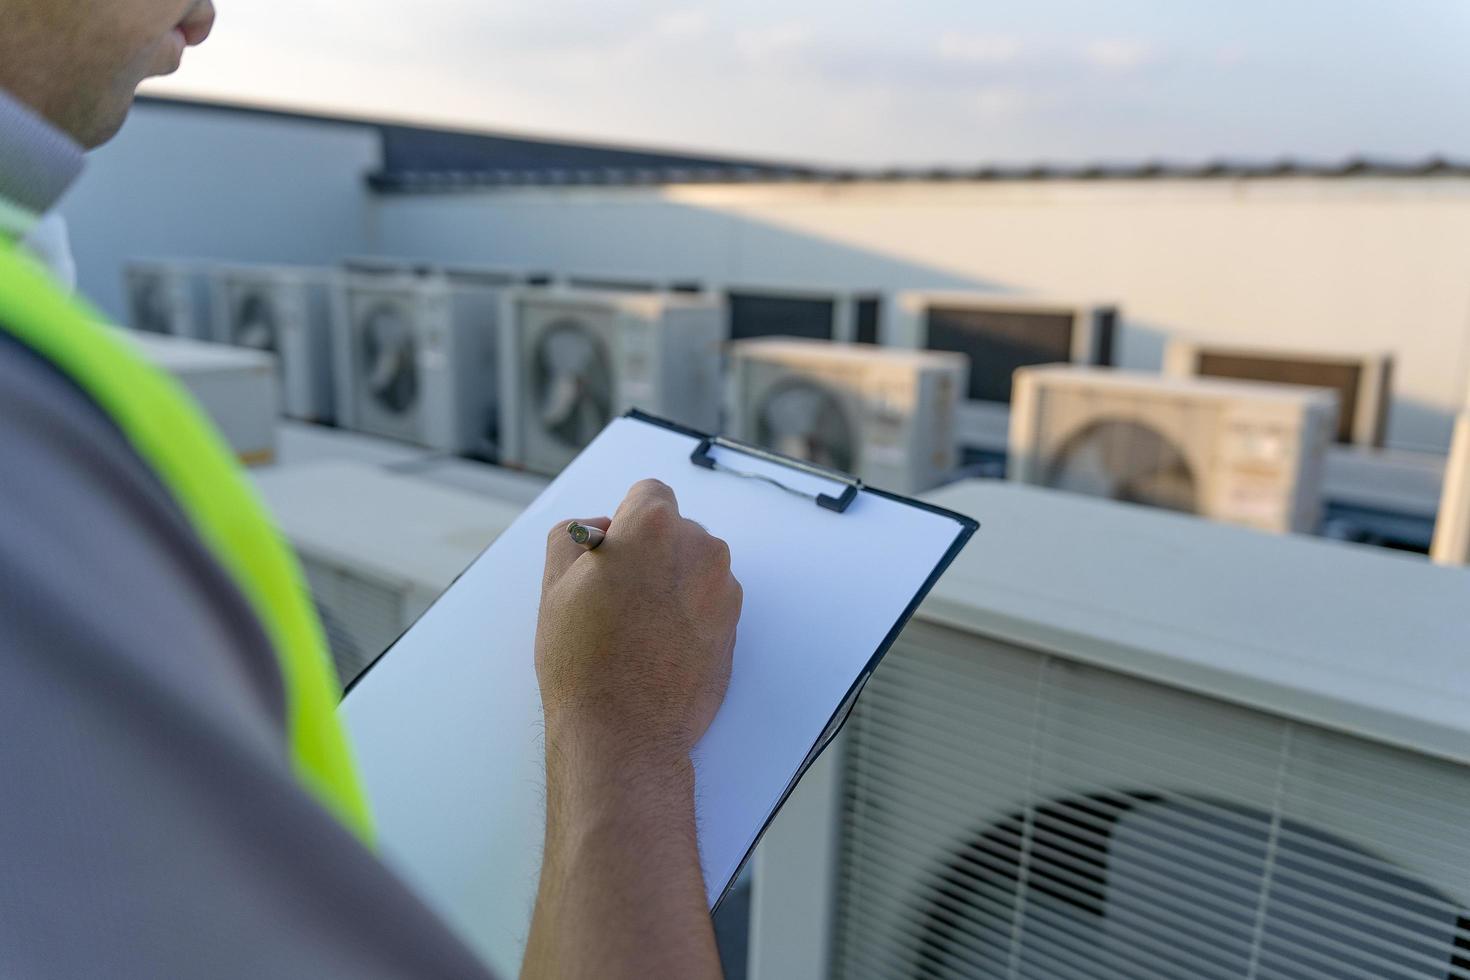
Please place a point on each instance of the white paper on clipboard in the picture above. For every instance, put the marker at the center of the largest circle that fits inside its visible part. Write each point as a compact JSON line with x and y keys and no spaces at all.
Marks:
{"x":447,"y":725}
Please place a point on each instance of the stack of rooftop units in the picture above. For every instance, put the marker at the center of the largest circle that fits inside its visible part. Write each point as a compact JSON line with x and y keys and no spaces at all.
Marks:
{"x":523,"y":367}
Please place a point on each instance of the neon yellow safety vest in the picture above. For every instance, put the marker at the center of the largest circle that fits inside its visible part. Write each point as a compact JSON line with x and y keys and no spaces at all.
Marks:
{"x":192,"y":461}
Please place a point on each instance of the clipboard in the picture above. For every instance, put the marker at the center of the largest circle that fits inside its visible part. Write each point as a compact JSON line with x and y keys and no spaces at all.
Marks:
{"x":446,"y":724}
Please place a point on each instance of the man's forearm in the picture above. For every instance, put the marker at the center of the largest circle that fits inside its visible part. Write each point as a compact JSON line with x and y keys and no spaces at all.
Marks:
{"x":621,"y":890}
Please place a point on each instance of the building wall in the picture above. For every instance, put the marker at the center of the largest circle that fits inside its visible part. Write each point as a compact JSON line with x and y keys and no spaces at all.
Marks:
{"x":1346,"y":263}
{"x":1353,"y":264}
{"x":201,"y":183}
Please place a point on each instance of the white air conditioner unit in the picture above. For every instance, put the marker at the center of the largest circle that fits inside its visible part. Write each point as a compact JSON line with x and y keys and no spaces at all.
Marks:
{"x":1000,"y":333}
{"x":415,"y":360}
{"x":1115,"y":743}
{"x":1250,"y":454}
{"x":378,"y":548}
{"x":1364,"y":383}
{"x":288,"y":312}
{"x":168,"y":298}
{"x":813,"y":313}
{"x":236,"y":388}
{"x":885,"y":416}
{"x":571,"y":362}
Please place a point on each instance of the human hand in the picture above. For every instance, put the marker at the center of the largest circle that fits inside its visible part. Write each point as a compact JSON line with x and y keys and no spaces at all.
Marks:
{"x":635,"y":638}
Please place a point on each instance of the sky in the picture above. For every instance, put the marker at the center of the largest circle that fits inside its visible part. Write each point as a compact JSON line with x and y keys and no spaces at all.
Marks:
{"x":904,"y":82}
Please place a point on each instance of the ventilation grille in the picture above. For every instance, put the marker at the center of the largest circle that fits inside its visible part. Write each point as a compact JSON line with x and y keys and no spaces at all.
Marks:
{"x":759,"y":315}
{"x":998,"y":342}
{"x":362,"y":618}
{"x":1013,"y":815}
{"x":1343,"y":377}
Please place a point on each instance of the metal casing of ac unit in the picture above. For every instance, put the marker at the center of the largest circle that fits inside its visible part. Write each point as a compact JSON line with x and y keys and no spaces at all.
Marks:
{"x":660,"y":353}
{"x":1365,"y":425}
{"x":1291,"y":709}
{"x":168,"y":297}
{"x":1091,"y":335}
{"x":296,"y":304}
{"x":898,"y":406}
{"x":238,"y":389}
{"x":443,"y":374}
{"x":378,"y":547}
{"x":810,"y":311}
{"x":1255,"y":453}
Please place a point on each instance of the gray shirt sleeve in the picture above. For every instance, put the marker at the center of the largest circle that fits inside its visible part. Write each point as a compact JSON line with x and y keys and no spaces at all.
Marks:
{"x":150,"y":824}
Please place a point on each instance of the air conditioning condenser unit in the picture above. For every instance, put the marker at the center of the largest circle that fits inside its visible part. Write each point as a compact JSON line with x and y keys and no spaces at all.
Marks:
{"x":415,"y":360}
{"x":1250,"y":454}
{"x":885,"y":416}
{"x":169,"y":298}
{"x":1117,"y":744}
{"x":288,"y":312}
{"x":1000,"y":333}
{"x":573,"y":361}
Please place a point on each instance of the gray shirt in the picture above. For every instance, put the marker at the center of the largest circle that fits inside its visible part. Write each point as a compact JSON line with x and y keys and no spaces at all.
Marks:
{"x":150,"y":822}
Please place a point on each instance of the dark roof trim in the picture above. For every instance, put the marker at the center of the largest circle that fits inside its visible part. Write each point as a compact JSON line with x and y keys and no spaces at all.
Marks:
{"x":421,"y":159}
{"x":411,"y":149}
{"x":409,"y":181}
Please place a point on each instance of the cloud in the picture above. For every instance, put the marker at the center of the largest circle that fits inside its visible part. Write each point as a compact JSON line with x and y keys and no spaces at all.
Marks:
{"x":777,"y":42}
{"x":932,"y":79}
{"x":1118,"y":54}
{"x":979,"y":49}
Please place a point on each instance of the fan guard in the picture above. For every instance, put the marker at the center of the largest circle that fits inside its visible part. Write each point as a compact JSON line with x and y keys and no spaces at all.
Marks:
{"x":389,"y":361}
{"x":806,"y":420}
{"x":255,"y":322}
{"x":347,"y":655}
{"x":1084,"y":873}
{"x":571,"y":382}
{"x":1128,"y":461}
{"x":150,"y":307}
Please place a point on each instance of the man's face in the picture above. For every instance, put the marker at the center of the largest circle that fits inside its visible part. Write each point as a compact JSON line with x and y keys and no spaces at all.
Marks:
{"x":79,"y":62}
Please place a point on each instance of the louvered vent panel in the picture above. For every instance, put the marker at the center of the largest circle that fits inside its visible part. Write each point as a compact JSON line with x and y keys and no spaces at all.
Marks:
{"x":361,"y":616}
{"x":1009,"y":814}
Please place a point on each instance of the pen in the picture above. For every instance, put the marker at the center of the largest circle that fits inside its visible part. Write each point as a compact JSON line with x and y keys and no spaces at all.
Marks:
{"x":587,"y":537}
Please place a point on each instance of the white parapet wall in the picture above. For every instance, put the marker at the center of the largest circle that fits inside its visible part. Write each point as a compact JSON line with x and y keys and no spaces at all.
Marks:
{"x":1341,"y":263}
{"x":198,"y":182}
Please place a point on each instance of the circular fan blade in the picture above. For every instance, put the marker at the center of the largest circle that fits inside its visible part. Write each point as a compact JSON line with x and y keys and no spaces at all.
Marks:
{"x":150,"y":312}
{"x":572,"y":383}
{"x":805,"y":420}
{"x":1126,"y":460}
{"x":255,"y":323}
{"x":390,"y":367}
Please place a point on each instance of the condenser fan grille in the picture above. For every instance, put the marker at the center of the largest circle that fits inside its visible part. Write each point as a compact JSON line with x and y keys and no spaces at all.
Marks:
{"x":255,"y":322}
{"x":803,"y":419}
{"x":389,"y":357}
{"x":1009,"y":814}
{"x":1125,"y":460}
{"x":151,"y":310}
{"x":571,"y":383}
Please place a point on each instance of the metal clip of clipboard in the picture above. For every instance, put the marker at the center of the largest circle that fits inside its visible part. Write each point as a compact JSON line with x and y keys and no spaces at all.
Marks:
{"x":851,"y":485}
